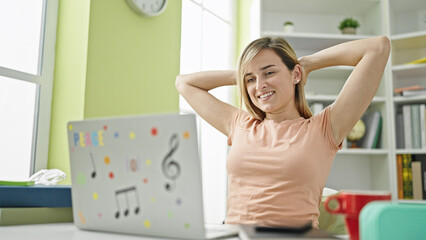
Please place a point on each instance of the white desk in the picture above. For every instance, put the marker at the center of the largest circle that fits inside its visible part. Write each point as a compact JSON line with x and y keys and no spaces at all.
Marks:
{"x":63,"y":231}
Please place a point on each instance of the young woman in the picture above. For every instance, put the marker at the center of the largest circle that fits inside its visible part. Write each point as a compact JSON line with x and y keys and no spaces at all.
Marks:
{"x":280,"y":154}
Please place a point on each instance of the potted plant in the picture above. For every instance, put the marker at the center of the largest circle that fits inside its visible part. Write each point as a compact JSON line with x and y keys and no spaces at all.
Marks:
{"x":288,"y":26}
{"x":348,"y":26}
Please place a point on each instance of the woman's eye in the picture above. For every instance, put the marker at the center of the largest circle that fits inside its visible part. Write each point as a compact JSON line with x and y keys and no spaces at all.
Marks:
{"x":269,"y":73}
{"x":250,"y":80}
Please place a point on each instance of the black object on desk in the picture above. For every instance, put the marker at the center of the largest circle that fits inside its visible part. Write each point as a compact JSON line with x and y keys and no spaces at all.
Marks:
{"x":299,"y":229}
{"x":253,"y":232}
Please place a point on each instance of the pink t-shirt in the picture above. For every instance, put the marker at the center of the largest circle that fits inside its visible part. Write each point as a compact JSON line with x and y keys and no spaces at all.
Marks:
{"x":277,"y":171}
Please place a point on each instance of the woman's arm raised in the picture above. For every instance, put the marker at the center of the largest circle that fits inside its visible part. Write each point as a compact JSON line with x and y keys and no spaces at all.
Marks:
{"x":195,"y":89}
{"x":369,"y":56}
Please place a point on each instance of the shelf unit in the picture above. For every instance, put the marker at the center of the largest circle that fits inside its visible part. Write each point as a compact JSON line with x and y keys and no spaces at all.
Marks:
{"x":315,"y":28}
{"x":407,"y":31}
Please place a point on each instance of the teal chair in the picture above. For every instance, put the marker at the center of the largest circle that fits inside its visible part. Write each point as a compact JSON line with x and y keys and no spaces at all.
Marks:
{"x":393,"y":221}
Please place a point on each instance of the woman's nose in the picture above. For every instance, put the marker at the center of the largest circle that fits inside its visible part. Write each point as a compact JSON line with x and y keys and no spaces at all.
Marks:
{"x":260,"y":83}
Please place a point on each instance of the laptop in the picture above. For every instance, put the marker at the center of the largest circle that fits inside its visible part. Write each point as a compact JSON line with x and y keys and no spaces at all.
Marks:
{"x":139,"y":175}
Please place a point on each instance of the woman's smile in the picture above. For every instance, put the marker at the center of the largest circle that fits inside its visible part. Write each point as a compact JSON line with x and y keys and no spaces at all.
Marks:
{"x":266,"y":96}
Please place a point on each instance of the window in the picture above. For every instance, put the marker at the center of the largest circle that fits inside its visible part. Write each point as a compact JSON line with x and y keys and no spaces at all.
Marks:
{"x":208,"y":44}
{"x":27,"y":43}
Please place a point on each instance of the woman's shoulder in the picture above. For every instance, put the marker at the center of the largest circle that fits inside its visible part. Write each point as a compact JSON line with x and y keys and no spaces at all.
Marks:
{"x":245,"y":119}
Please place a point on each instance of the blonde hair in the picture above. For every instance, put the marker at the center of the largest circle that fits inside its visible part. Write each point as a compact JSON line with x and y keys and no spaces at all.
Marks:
{"x":288,"y":57}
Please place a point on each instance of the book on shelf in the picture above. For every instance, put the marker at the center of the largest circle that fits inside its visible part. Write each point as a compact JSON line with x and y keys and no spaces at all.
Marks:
{"x":415,"y":126}
{"x":411,"y":127}
{"x":406,"y":112}
{"x":399,"y":122}
{"x":373,"y":125}
{"x":407,"y":177}
{"x":252,"y":232}
{"x":35,"y":196}
{"x":422,"y":159}
{"x":423,"y":125}
{"x":418,"y":61}
{"x":34,"y":215}
{"x":416,"y":167}
{"x":398,"y":91}
{"x":412,"y":93}
{"x":399,"y":176}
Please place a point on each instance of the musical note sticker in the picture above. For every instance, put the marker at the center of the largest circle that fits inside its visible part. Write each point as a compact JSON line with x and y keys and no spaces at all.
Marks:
{"x":122,"y":196}
{"x":171,"y":168}
{"x":94,"y":166}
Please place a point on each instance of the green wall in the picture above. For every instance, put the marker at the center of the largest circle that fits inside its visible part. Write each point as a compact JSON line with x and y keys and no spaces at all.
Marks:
{"x":69,"y":78}
{"x":132,"y":61}
{"x":109,"y":62}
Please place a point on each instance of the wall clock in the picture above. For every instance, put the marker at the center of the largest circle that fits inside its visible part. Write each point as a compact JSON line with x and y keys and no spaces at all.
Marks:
{"x":147,"y":8}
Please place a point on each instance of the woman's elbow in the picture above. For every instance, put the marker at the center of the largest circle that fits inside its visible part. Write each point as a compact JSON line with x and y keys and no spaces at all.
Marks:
{"x":383,"y":46}
{"x":179,"y":82}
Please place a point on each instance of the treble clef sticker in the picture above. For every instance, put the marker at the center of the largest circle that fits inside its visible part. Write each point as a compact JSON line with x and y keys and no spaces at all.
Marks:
{"x":171,"y":168}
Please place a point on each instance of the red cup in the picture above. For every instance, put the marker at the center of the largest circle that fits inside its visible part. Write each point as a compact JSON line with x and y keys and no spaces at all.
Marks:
{"x":350,"y":204}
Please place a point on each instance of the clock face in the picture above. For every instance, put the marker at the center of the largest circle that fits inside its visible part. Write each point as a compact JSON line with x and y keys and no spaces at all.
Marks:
{"x":148,"y":8}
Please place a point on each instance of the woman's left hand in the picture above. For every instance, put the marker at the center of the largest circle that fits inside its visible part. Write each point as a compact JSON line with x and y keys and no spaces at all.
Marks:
{"x":305,"y":72}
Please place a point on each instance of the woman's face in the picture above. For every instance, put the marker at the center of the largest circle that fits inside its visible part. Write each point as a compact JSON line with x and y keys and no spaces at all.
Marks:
{"x":270,"y":84}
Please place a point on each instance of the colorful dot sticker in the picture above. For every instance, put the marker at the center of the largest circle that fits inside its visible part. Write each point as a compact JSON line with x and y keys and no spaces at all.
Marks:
{"x":111,"y":175}
{"x":95,"y":196}
{"x":178,"y":201}
{"x":186,"y":135}
{"x":145,"y":180}
{"x":99,"y":215}
{"x":81,"y":216}
{"x":132,"y":135}
{"x":105,"y":127}
{"x":133,"y":165}
{"x":70,"y":127}
{"x":153,"y":199}
{"x":107,"y":160}
{"x":147,"y":224}
{"x":170,"y":215}
{"x":81,"y":179}
{"x":154,"y":131}
{"x":148,"y":162}
{"x":186,"y":225}
{"x":116,"y":135}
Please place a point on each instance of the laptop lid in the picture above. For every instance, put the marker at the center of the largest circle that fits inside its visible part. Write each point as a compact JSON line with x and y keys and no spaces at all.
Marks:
{"x":137,"y":175}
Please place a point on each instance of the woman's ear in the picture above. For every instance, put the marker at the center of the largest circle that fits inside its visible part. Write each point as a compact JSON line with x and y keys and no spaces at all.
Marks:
{"x":297,"y":74}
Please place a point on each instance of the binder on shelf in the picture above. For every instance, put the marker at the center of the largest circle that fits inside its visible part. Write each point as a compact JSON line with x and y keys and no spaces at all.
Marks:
{"x":422,"y":160}
{"x":373,"y":125}
{"x":399,"y":131}
{"x":416,"y":167}
{"x":415,"y":126}
{"x":35,"y":196}
{"x":406,"y":111}
{"x":423,"y":125}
